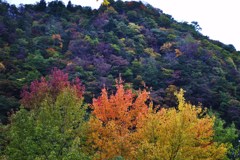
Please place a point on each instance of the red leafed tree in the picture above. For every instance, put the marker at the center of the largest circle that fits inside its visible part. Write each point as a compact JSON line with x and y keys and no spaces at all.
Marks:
{"x":51,"y":87}
{"x":115,"y":120}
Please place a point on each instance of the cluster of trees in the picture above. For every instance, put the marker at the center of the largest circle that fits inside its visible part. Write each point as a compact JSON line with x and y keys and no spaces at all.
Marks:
{"x":54,"y":122}
{"x":137,"y":40}
{"x":143,"y":44}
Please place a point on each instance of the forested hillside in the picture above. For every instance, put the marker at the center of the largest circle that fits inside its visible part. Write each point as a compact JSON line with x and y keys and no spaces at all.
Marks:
{"x":135,"y":40}
{"x":147,"y":48}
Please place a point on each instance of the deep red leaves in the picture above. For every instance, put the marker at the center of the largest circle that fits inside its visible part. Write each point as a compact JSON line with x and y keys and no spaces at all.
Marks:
{"x":40,"y":89}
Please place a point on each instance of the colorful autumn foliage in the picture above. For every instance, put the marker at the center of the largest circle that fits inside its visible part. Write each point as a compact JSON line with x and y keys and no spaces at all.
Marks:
{"x":105,"y":2}
{"x":132,"y":38}
{"x":182,"y":133}
{"x":56,"y":126}
{"x":114,"y":121}
{"x":124,"y":107}
{"x":39,"y":90}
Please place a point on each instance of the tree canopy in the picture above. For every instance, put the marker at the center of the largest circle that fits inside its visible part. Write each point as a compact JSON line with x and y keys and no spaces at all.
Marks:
{"x":122,"y":124}
{"x":152,"y":52}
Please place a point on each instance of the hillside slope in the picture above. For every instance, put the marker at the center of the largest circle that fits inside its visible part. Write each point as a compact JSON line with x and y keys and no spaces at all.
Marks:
{"x":139,"y":42}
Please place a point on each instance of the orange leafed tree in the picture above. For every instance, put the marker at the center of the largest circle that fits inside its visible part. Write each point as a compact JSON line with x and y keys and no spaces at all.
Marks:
{"x":114,"y":121}
{"x":123,"y":125}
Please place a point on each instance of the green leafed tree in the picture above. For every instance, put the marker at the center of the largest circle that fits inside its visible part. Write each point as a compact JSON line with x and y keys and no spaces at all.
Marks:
{"x":228,"y":134}
{"x":55,"y":129}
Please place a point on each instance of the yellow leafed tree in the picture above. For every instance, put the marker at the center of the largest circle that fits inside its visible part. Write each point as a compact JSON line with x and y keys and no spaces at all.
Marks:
{"x":178,"y":134}
{"x":105,"y":2}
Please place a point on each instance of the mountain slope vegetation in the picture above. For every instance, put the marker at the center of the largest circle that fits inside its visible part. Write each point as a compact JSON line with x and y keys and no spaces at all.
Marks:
{"x":135,"y":40}
{"x":50,"y":47}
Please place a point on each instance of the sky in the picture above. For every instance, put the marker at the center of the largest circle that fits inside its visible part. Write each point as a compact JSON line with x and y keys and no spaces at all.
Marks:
{"x":219,"y":19}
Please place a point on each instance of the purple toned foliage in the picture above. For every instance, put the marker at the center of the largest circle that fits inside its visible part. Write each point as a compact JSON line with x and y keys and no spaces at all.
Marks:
{"x":101,"y":20}
{"x":118,"y":60}
{"x":104,"y":49}
{"x":83,"y":61}
{"x":101,"y":65}
{"x":79,"y":47}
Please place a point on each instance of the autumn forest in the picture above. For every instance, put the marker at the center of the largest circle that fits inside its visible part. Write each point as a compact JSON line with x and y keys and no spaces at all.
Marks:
{"x":125,"y":81}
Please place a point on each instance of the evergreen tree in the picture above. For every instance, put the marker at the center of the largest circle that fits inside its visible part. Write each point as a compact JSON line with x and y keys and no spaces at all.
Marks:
{"x":70,"y":6}
{"x":41,"y":6}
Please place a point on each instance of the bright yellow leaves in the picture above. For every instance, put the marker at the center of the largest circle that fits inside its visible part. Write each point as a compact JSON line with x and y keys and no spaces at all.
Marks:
{"x":178,"y":134}
{"x":123,"y":126}
{"x":105,"y":2}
